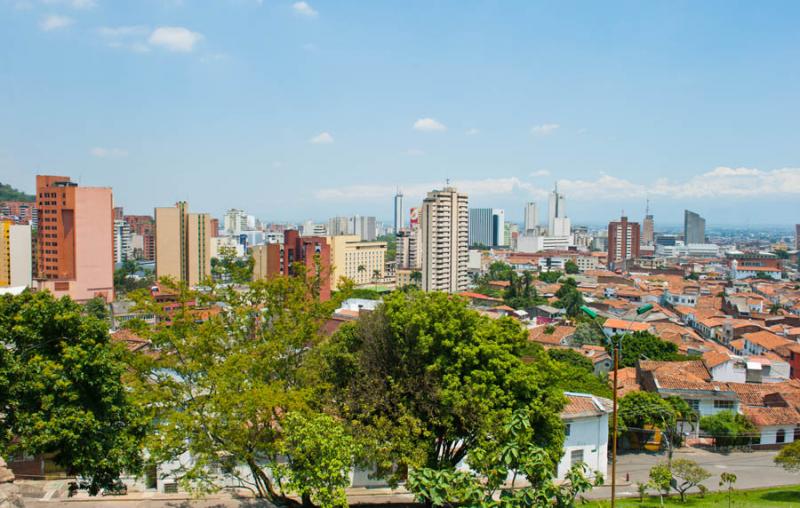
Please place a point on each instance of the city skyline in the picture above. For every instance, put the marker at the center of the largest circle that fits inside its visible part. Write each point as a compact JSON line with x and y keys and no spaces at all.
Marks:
{"x":226,"y":101}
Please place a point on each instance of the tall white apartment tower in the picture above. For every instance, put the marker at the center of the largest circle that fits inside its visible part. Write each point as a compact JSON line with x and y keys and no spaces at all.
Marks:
{"x":444,"y":241}
{"x":557,"y":209}
{"x":399,"y":220}
{"x":531,"y":219}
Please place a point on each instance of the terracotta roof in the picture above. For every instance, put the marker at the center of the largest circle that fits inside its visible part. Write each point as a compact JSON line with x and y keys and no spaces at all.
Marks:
{"x":767,"y":416}
{"x":621,"y":324}
{"x":737,"y":344}
{"x":132,"y":341}
{"x":559,"y":333}
{"x":714,"y":358}
{"x":582,"y":405}
{"x":478,"y":296}
{"x":686,"y":375}
{"x":765,"y":339}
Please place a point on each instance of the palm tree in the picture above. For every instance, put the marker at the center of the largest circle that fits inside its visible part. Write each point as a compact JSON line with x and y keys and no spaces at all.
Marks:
{"x":362,"y":269}
{"x":775,"y":308}
{"x":376,"y":275}
{"x":416,"y":277}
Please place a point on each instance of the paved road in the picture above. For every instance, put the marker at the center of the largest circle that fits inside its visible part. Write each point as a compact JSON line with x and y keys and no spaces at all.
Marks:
{"x":753,"y":469}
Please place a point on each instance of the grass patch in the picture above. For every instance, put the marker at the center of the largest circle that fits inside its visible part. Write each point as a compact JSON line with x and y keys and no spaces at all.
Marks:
{"x":775,"y":497}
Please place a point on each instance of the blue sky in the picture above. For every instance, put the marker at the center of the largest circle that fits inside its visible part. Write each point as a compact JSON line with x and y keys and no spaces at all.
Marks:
{"x":304,"y":110}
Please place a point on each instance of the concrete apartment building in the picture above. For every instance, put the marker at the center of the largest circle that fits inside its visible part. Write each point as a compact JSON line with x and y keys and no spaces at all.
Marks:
{"x":123,"y":241}
{"x":15,"y":254}
{"x":487,"y":227}
{"x":444,"y":237}
{"x":183,"y":244}
{"x":143,"y":236}
{"x":75,"y":239}
{"x":623,"y":242}
{"x":356,"y":260}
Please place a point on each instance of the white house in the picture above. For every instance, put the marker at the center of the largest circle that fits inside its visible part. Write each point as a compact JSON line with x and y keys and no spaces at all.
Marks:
{"x":776,"y":425}
{"x":586,"y":425}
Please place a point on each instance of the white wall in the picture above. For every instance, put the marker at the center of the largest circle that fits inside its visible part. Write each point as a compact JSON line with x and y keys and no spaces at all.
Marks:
{"x":728,"y":372}
{"x":590,"y":435}
{"x":768,"y":433}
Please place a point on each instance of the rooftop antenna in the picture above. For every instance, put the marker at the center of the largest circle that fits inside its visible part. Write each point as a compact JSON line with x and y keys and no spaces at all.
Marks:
{"x":647,"y":208}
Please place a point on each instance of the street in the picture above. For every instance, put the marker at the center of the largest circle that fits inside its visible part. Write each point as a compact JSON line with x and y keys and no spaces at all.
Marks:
{"x":753,"y":470}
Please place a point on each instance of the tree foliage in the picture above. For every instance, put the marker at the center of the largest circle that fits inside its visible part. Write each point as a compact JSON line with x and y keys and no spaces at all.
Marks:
{"x":571,"y":268}
{"x":230,"y":268}
{"x":789,"y":457}
{"x":61,"y":388}
{"x":728,"y":428}
{"x":220,"y":386}
{"x":510,"y":452}
{"x":98,"y":308}
{"x":660,"y":479}
{"x":686,"y":474}
{"x":126,"y":280}
{"x":521,"y":293}
{"x":550,"y":277}
{"x":645,"y":345}
{"x":319,"y":455}
{"x":587,"y":333}
{"x":9,"y":193}
{"x":423,"y":380}
{"x":569,"y":298}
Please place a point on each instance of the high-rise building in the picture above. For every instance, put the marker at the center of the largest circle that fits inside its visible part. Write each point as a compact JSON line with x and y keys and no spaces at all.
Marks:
{"x":487,"y":227}
{"x":399,"y":220}
{"x":444,"y":236}
{"x":214,"y":228}
{"x":797,"y":236}
{"x":694,"y":228}
{"x":531,"y":219}
{"x":623,"y":242}
{"x":235,"y":221}
{"x":408,"y":253}
{"x":338,"y":226}
{"x":556,"y":209}
{"x":183,"y":244}
{"x":311,"y":228}
{"x":75,"y":239}
{"x":365,"y":227}
{"x":648,"y":227}
{"x":123,"y":241}
{"x":143,"y":236}
{"x":360,"y":261}
{"x":15,"y":254}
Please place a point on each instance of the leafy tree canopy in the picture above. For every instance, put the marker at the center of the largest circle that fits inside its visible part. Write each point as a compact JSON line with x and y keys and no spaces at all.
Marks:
{"x":641,"y":345}
{"x":571,"y":267}
{"x":728,"y":428}
{"x":61,"y":388}
{"x":789,"y":457}
{"x":9,"y":193}
{"x":423,"y":380}
{"x":550,"y":277}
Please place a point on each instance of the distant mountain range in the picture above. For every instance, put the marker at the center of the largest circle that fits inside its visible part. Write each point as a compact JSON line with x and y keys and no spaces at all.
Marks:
{"x":9,"y":193}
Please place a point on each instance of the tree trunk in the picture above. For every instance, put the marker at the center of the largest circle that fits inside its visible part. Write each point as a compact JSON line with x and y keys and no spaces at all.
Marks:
{"x":306,"y":498}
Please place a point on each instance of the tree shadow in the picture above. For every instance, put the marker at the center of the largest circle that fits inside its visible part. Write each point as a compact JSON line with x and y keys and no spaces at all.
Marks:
{"x":782,"y":496}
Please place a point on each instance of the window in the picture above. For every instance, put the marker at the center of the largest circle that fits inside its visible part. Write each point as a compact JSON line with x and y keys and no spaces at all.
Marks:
{"x":694,"y":404}
{"x":567,"y":429}
{"x":575,"y":457}
{"x":723,"y":404}
{"x":780,"y":436}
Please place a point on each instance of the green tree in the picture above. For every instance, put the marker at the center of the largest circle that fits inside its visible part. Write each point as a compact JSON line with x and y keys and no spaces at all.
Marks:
{"x":640,"y":345}
{"x":571,"y":357}
{"x":571,"y":268}
{"x":660,"y":479}
{"x":9,"y":193}
{"x":728,"y":428}
{"x":510,"y":452}
{"x":319,"y":457}
{"x":98,"y":308}
{"x":789,"y":457}
{"x":569,"y":298}
{"x":727,"y":479}
{"x":550,"y":277}
{"x":230,"y":268}
{"x":574,"y":372}
{"x":219,"y":386}
{"x":521,"y":293}
{"x":61,"y":388}
{"x":587,"y":333}
{"x":126,"y":280}
{"x":423,"y":380}
{"x":416,"y":277}
{"x":686,"y":474}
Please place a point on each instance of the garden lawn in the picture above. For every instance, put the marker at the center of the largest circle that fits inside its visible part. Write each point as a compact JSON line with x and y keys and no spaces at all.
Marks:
{"x":783,"y":497}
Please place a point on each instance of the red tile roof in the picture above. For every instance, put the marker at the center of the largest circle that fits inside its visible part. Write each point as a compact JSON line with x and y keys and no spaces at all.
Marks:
{"x":581,"y":405}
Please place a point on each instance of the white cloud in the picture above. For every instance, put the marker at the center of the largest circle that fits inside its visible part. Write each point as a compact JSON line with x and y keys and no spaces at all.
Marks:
{"x":540,"y":173}
{"x":472,"y":132}
{"x":545,"y":129}
{"x":175,"y":38}
{"x":323,"y":138}
{"x":429,"y":125}
{"x":108,"y":153}
{"x":719,"y":183}
{"x":54,"y":22}
{"x":304,"y":9}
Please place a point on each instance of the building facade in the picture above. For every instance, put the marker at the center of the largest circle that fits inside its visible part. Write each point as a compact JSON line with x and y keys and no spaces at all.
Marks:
{"x":15,"y":254}
{"x":694,"y":228}
{"x":357,"y":260}
{"x":183,"y":244}
{"x":556,"y":209}
{"x":623,"y":241}
{"x":444,"y":236}
{"x":399,"y":219}
{"x":75,"y":239}
{"x":530,"y":219}
{"x":123,"y":241}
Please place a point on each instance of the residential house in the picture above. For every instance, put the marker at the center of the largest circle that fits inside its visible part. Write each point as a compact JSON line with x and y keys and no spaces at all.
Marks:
{"x":586,"y":427}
